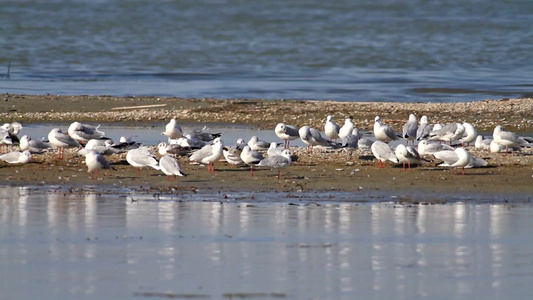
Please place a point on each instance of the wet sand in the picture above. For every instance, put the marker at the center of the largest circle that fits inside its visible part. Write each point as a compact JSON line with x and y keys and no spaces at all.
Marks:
{"x":510,"y":176}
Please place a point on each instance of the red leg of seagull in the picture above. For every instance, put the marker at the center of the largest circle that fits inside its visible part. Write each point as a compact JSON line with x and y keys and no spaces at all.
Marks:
{"x":168,"y":178}
{"x":403,"y":166}
{"x":409,"y":166}
{"x":252,"y":171}
{"x":463,"y":171}
{"x":279,"y":171}
{"x":506,"y":150}
{"x":139,"y":172}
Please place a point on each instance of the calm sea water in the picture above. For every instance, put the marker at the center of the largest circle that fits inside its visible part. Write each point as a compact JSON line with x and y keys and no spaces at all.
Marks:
{"x":344,"y":50}
{"x":61,"y":244}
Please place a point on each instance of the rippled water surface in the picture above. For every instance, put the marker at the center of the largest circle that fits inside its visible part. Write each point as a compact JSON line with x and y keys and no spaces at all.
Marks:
{"x":343,"y":50}
{"x":60,"y":244}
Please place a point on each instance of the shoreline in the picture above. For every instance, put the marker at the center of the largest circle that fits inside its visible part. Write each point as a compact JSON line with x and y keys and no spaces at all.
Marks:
{"x":511,"y":176}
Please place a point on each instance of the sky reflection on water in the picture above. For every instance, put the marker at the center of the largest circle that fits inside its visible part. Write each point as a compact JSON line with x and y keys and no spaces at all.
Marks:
{"x":67,"y":245}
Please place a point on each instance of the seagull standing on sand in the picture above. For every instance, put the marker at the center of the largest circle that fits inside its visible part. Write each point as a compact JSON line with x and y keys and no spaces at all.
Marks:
{"x":171,"y":167}
{"x":424,"y":129}
{"x":173,"y":130}
{"x":83,"y":132}
{"x":209,"y":154}
{"x":60,"y":140}
{"x":313,"y":137}
{"x":448,"y":133}
{"x":251,"y":158}
{"x":384,"y":132}
{"x":331,"y":129}
{"x":410,"y":128}
{"x":95,"y":161}
{"x":469,"y":135}
{"x":507,"y":138}
{"x":464,"y":159}
{"x":277,"y":161}
{"x":16,"y":157}
{"x":142,"y":157}
{"x":287,"y":133}
{"x":274,"y":150}
{"x":407,"y":155}
{"x":383,"y":152}
{"x":347,"y":128}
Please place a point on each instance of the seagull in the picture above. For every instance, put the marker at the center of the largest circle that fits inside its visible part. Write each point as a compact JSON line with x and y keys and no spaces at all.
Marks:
{"x":256,"y":144}
{"x":384,"y":132}
{"x":407,"y":155}
{"x":232,"y":156}
{"x":60,"y":140}
{"x":173,"y":130}
{"x":450,"y":157}
{"x":173,"y":149}
{"x":287,"y":133}
{"x":274,"y":150}
{"x":171,"y":167}
{"x":209,"y":154}
{"x":5,"y":138}
{"x":142,"y":157}
{"x":424,"y":129}
{"x":203,"y":135}
{"x":189,"y":141}
{"x":13,"y":130}
{"x":26,"y":143}
{"x":347,"y":128}
{"x":104,"y":147}
{"x":482,"y":143}
{"x":251,"y":158}
{"x":95,"y":161}
{"x":277,"y":161}
{"x":331,"y":129}
{"x":448,"y":133}
{"x":426,"y":147}
{"x":494,"y":147}
{"x":410,"y":128}
{"x":507,"y":138}
{"x":313,"y":137}
{"x":83,"y":132}
{"x":383,"y":152}
{"x":464,"y":159}
{"x":469,"y":135}
{"x":350,"y":142}
{"x":16,"y":157}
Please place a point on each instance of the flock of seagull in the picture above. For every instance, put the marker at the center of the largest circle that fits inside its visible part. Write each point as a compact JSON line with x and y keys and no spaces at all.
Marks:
{"x":446,"y":142}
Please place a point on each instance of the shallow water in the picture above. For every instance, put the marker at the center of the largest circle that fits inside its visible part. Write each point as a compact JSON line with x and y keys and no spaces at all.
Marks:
{"x":344,"y":50}
{"x":90,"y":245}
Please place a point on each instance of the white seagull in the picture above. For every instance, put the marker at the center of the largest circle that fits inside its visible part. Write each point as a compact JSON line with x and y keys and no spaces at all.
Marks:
{"x":95,"y":161}
{"x":16,"y":157}
{"x":482,"y":143}
{"x":469,"y":135}
{"x":410,"y":128}
{"x":171,"y":167}
{"x":383,"y":152}
{"x":507,"y":138}
{"x":313,"y":137}
{"x":407,"y":155}
{"x":83,"y":132}
{"x":287,"y":133}
{"x":251,"y":158}
{"x":277,"y":161}
{"x":331,"y":129}
{"x":142,"y":157}
{"x":60,"y":140}
{"x":448,"y":133}
{"x":424,"y":129}
{"x":209,"y":154}
{"x":173,"y":130}
{"x":384,"y":132}
{"x":26,"y":143}
{"x":426,"y":147}
{"x":347,"y":128}
{"x":256,"y":144}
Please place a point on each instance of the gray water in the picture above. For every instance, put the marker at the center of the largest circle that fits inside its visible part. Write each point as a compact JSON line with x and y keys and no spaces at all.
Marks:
{"x":61,"y":244}
{"x":342,"y":50}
